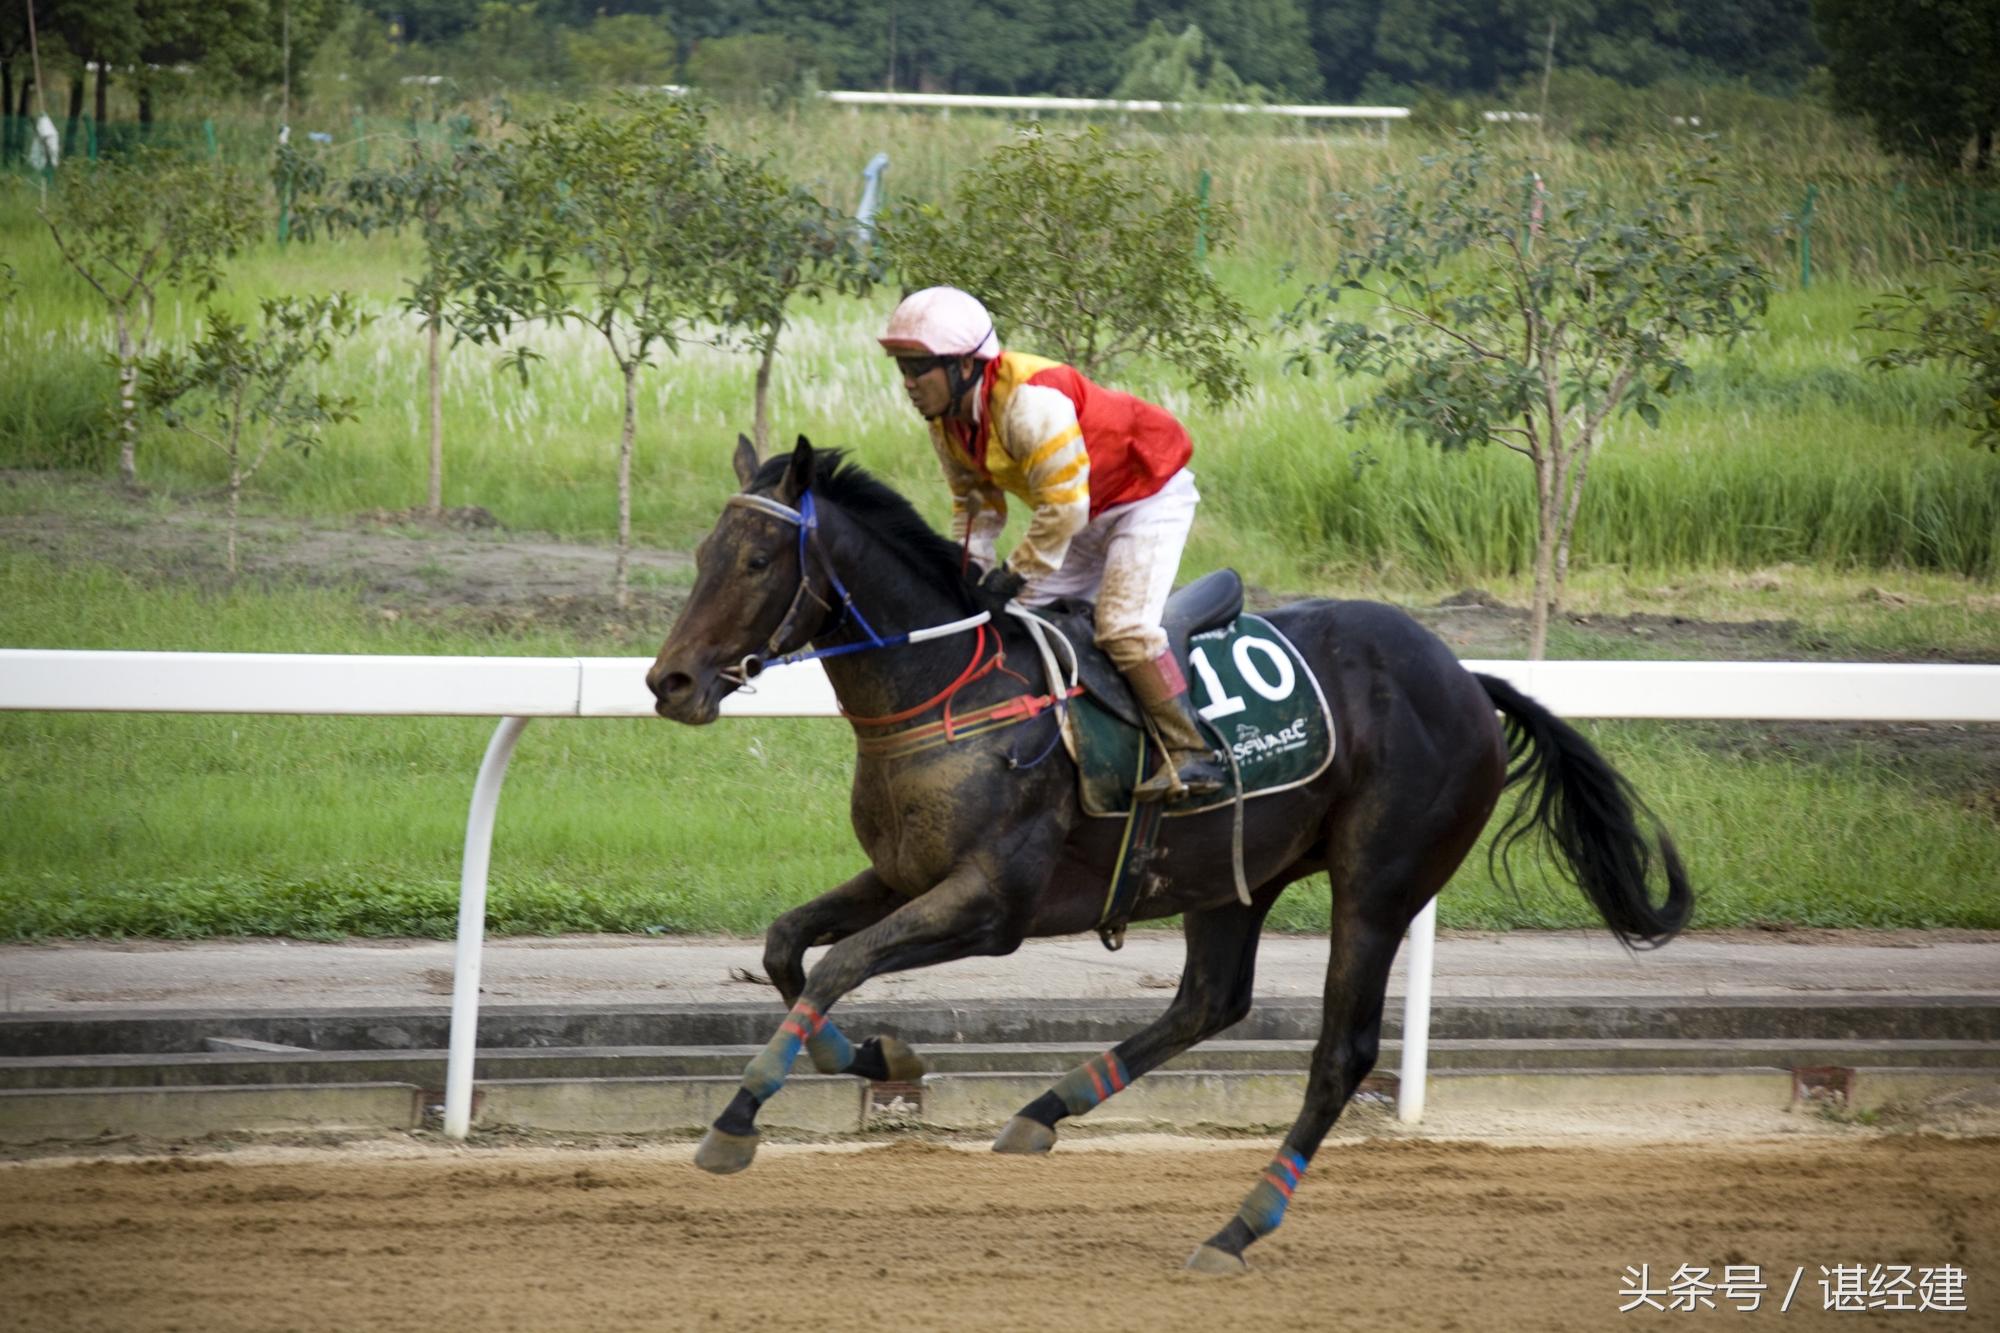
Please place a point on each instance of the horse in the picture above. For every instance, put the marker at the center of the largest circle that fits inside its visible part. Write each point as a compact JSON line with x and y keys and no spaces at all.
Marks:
{"x":973,"y":847}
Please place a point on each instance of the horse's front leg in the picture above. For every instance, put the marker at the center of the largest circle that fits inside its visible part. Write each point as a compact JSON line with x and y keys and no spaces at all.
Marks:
{"x":828,"y":919}
{"x":970,"y":913}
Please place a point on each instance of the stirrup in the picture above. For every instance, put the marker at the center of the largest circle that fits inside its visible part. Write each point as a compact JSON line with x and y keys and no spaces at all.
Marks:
{"x":1177,"y":779}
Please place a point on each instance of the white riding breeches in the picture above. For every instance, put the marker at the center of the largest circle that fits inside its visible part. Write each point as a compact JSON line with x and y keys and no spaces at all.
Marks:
{"x":1126,"y":559}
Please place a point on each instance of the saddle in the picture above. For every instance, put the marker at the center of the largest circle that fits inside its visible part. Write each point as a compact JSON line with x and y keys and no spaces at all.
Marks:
{"x":1210,"y":602}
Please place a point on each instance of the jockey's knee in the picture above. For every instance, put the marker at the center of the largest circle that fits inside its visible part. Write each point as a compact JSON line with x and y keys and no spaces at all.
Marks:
{"x":1130,"y":648}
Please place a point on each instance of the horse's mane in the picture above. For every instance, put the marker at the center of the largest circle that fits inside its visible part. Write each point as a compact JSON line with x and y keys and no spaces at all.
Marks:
{"x":883,"y":511}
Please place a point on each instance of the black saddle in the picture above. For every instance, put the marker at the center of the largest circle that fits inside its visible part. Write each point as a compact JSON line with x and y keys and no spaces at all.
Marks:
{"x":1210,"y":602}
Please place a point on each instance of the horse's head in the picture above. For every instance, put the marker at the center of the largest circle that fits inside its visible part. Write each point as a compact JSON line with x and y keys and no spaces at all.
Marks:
{"x":751,"y":596}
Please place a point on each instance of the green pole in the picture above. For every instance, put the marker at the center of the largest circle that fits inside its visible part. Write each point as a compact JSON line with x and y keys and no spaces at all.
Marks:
{"x":1201,"y":226}
{"x":360,"y":142}
{"x":90,"y":137}
{"x":1805,"y":237}
{"x":208,"y":132}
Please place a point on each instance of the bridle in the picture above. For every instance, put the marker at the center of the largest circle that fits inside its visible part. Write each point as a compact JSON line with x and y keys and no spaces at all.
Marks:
{"x":792,"y":629}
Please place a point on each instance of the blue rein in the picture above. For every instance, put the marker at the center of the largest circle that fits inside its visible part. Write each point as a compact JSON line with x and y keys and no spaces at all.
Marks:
{"x":806,"y":519}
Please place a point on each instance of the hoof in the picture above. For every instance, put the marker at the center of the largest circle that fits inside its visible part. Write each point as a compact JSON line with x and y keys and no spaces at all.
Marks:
{"x":1023,"y":1135}
{"x":725,"y":1154}
{"x":1216,"y":1263}
{"x":905,"y":1065}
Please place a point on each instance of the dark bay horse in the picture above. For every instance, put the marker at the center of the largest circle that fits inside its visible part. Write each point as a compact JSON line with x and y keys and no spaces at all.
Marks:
{"x":971,"y":849}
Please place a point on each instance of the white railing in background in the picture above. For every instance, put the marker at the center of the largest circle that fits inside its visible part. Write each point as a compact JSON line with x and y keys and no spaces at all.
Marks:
{"x":948,"y":102}
{"x":516,"y":689}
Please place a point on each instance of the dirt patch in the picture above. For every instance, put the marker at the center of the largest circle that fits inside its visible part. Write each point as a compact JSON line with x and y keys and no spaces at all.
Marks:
{"x":1384,"y":1234}
{"x":464,"y":569}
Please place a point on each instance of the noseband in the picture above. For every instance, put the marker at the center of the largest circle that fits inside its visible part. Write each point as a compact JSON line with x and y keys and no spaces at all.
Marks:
{"x":806,"y":519}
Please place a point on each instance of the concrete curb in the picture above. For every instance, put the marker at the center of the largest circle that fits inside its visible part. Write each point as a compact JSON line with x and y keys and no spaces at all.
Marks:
{"x":1235,"y":1099}
{"x":179,"y":1113}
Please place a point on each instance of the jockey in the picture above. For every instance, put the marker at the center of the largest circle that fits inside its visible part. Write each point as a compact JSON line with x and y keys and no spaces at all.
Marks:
{"x":1106,"y":477}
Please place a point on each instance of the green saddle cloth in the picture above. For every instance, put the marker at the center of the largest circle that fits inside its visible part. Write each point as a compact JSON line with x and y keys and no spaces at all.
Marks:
{"x":1252,"y":686}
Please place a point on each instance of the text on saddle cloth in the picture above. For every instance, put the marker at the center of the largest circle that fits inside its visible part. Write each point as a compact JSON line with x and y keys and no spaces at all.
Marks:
{"x":1251,"y":687}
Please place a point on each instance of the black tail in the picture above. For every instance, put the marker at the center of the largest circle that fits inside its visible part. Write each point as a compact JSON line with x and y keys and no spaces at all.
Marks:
{"x":1589,"y":815}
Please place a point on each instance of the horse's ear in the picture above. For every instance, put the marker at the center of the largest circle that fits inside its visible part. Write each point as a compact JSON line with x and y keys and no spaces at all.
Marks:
{"x":745,"y":460}
{"x":799,"y":476}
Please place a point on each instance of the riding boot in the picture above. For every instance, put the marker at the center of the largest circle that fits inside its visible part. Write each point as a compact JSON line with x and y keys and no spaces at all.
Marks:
{"x":1190,"y":766}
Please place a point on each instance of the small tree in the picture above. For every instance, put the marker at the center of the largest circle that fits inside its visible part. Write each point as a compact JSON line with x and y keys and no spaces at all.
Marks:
{"x":132,"y":226}
{"x":1086,"y":252}
{"x":242,"y":392}
{"x":447,"y":193}
{"x":791,"y":245}
{"x":1179,"y":67}
{"x":621,"y":222}
{"x":1959,"y":327}
{"x":622,"y":50}
{"x":1505,"y":316}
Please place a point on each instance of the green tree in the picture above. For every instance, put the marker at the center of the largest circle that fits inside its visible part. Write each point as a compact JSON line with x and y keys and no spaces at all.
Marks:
{"x":243,"y":392}
{"x":621,"y":50}
{"x":789,"y":245}
{"x":1925,"y":73}
{"x":1267,"y":42}
{"x":1958,"y":327}
{"x":446,"y":192}
{"x":747,"y":65}
{"x":621,"y":221}
{"x":1084,"y":251}
{"x":134,"y":226}
{"x":1494,"y":316}
{"x":1179,"y":67}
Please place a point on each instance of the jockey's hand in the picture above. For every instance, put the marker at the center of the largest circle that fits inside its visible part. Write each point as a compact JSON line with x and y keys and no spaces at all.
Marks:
{"x":1001,"y":585}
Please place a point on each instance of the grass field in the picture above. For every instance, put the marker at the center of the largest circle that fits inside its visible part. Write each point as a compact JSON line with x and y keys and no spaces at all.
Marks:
{"x":1792,"y":483}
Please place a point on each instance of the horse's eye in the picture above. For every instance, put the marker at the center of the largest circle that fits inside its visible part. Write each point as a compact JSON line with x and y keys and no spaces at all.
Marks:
{"x":758,"y":563}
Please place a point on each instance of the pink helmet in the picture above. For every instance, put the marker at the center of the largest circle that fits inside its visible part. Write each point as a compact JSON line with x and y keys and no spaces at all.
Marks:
{"x":941,"y":321}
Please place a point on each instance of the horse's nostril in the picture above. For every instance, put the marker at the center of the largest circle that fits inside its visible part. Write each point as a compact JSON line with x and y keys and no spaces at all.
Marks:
{"x":674,"y":684}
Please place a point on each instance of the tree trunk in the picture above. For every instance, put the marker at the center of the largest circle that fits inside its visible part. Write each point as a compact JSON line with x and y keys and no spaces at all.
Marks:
{"x":761,"y":431}
{"x":6,"y":110}
{"x":622,"y":590}
{"x":1982,"y":154}
{"x":235,"y":505}
{"x":27,"y":95}
{"x":103,"y":87}
{"x":128,"y":401}
{"x":145,"y":107}
{"x":437,"y":421}
{"x":1546,"y":491}
{"x":75,"y":113}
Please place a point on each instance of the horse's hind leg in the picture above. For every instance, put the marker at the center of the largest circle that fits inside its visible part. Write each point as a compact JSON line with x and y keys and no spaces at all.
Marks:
{"x":1214,"y":994}
{"x":1382,"y":877}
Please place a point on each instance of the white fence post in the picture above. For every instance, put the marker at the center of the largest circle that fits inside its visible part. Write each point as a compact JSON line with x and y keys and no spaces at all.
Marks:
{"x":1417,"y":1015}
{"x":472,"y":926}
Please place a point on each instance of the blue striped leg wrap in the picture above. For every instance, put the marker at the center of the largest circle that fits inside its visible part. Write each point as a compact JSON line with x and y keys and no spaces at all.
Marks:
{"x":1264,"y":1208}
{"x":804,"y":1027}
{"x":1091,"y":1082}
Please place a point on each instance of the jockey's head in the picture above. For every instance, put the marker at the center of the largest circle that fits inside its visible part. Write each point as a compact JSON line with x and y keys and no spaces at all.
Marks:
{"x":941,"y":337}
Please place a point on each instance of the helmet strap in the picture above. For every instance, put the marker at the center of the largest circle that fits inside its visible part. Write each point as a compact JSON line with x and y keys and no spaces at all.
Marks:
{"x":957,"y":381}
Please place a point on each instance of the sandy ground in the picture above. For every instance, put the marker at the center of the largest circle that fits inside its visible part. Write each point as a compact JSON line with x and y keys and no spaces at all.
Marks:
{"x":1389,"y":1232}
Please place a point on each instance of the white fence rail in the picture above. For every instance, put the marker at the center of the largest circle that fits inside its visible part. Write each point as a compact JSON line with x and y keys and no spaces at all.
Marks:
{"x":516,"y":689}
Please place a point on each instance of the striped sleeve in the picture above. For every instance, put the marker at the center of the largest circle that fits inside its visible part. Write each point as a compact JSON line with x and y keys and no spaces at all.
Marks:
{"x":1041,"y":433}
{"x":978,"y":506}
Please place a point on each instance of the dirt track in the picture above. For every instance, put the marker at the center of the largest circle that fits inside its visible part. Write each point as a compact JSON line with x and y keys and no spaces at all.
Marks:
{"x":912,"y":1235}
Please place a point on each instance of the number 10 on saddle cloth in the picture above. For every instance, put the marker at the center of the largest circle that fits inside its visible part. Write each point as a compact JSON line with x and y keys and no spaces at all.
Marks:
{"x":1252,"y":686}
